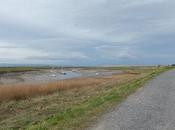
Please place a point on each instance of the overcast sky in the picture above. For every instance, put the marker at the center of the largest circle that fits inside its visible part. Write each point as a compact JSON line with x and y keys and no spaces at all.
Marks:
{"x":87,"y":32}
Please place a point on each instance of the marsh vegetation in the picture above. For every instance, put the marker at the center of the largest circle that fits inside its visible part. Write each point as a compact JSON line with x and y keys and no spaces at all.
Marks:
{"x":68,"y":104}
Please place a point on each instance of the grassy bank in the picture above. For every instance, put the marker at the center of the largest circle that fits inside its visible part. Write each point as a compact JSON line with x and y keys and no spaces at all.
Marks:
{"x":78,"y":115}
{"x":26,"y":91}
{"x":73,"y":108}
{"x":4,"y":70}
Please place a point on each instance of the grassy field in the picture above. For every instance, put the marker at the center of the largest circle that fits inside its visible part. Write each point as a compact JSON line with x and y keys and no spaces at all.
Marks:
{"x":4,"y":70}
{"x":69,"y":104}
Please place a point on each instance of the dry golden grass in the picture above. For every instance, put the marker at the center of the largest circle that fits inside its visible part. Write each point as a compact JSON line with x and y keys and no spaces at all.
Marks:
{"x":23,"y":91}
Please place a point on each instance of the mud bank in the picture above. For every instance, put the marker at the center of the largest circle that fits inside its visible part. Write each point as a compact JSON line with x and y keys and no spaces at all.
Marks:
{"x":51,"y":75}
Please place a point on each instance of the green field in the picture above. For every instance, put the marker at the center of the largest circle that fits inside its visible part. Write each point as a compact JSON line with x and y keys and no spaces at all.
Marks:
{"x":16,"y":69}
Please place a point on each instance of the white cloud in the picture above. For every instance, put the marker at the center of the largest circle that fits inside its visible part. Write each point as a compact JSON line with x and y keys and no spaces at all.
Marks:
{"x":116,"y":52}
{"x":18,"y":53}
{"x":12,"y":51}
{"x":69,"y":29}
{"x":59,"y":56}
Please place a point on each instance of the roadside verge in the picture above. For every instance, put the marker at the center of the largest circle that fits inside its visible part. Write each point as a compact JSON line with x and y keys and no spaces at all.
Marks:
{"x":80,"y":116}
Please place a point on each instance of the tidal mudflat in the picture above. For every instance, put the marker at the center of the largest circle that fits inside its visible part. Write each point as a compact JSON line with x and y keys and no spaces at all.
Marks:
{"x":49,"y":75}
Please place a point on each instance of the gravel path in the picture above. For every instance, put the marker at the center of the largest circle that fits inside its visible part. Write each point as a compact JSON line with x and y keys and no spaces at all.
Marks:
{"x":151,"y":108}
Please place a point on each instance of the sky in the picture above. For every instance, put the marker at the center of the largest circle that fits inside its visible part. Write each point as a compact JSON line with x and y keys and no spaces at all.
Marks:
{"x":90,"y":32}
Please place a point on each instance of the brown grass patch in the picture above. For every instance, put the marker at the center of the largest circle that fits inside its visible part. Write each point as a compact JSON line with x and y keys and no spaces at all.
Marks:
{"x":24,"y":91}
